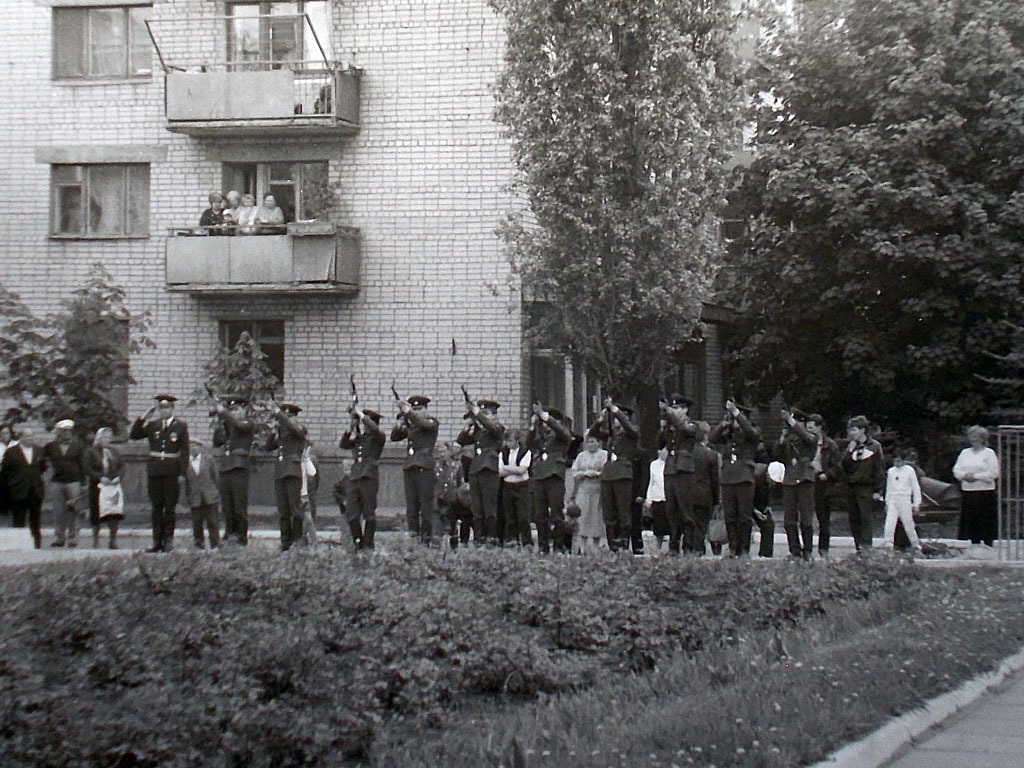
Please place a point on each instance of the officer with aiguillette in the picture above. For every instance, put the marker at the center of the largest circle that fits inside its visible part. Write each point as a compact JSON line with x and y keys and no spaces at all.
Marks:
{"x":165,"y":466}
{"x":234,"y":435}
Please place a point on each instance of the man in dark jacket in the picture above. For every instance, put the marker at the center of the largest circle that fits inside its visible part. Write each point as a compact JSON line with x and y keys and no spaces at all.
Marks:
{"x":415,"y":424}
{"x":864,"y":473}
{"x":621,"y":436}
{"x":796,"y":449}
{"x":706,"y":489}
{"x":486,"y":434}
{"x":549,"y":441}
{"x":21,"y":477}
{"x":737,"y":440}
{"x":65,"y":454}
{"x":365,"y":438}
{"x":165,"y":467}
{"x":234,"y":434}
{"x":826,"y":472}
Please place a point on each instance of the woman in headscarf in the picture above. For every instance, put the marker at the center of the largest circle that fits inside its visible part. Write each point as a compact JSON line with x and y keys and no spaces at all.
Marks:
{"x":103,"y":465}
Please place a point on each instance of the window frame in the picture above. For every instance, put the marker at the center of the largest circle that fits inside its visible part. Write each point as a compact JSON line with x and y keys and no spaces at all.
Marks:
{"x":264,"y":18}
{"x":252,"y":325}
{"x":262,"y":173}
{"x":85,"y":186}
{"x":86,"y":33}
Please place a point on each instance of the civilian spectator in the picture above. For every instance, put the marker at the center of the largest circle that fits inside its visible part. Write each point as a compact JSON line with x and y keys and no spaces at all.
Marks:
{"x":977,"y":469}
{"x":21,"y":476}
{"x":103,"y":467}
{"x":66,"y":454}
{"x":514,"y":470}
{"x":6,"y":436}
{"x":230,"y":213}
{"x":245,"y":215}
{"x":201,"y":490}
{"x":586,"y":495}
{"x":269,"y":217}
{"x":213,"y":217}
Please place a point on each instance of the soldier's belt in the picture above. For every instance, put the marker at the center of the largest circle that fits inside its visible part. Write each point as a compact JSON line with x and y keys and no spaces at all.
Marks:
{"x":159,"y":455}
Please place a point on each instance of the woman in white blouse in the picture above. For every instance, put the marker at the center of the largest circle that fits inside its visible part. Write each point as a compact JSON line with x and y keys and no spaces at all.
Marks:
{"x":977,"y":469}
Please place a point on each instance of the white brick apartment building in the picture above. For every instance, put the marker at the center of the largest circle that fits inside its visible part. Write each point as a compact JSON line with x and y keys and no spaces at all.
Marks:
{"x":108,"y":144}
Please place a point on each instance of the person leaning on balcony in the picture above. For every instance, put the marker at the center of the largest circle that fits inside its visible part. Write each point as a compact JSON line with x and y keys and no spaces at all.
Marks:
{"x":212,"y":219}
{"x":245,"y":215}
{"x":269,"y":217}
{"x":230,"y":214}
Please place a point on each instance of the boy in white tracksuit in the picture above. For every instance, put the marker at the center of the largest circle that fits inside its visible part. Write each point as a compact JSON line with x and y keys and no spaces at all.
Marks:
{"x":902,"y":499}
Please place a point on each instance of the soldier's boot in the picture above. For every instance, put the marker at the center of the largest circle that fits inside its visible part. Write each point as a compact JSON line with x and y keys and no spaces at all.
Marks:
{"x":368,"y":530}
{"x":357,"y":533}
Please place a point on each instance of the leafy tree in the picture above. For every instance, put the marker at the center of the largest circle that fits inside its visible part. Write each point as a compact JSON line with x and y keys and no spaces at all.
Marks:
{"x":621,"y":115}
{"x":886,"y":212}
{"x":240,"y":370}
{"x":74,"y":364}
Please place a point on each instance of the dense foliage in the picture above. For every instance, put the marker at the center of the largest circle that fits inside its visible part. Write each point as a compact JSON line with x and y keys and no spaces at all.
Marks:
{"x":241,"y":370}
{"x":271,"y":660}
{"x":75,"y":363}
{"x":886,"y":211}
{"x":621,"y":115}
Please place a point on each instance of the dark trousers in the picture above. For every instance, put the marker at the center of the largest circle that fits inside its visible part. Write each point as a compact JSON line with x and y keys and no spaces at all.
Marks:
{"x":979,"y":517}
{"x":208,"y":515}
{"x":738,"y":513}
{"x":823,"y":510}
{"x":361,"y":505}
{"x":549,"y":513}
{"x":163,"y":496}
{"x":616,"y":503}
{"x":678,"y":508}
{"x":419,"y":501}
{"x":517,"y":501}
{"x":234,"y":503}
{"x":767,"y":528}
{"x":288,"y":492}
{"x":861,"y":504}
{"x":483,"y":489}
{"x":798,"y":501}
{"x":659,"y":520}
{"x":702,"y":519}
{"x":30,"y":510}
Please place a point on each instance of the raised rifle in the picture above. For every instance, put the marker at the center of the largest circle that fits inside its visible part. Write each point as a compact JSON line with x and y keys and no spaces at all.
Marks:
{"x":354,"y":391}
{"x":465,"y":395}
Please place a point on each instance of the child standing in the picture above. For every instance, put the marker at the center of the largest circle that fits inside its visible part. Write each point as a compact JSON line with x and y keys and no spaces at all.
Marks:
{"x":654,"y":503}
{"x":201,"y":482}
{"x":902,"y":500}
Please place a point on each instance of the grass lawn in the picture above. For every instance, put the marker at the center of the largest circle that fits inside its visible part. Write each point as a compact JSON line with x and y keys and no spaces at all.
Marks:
{"x":420,"y":657}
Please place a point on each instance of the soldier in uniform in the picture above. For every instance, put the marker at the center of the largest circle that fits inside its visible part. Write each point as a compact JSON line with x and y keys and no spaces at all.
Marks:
{"x":234,"y":434}
{"x":165,"y":467}
{"x":289,"y":439}
{"x":796,"y":448}
{"x":679,"y":436}
{"x":486,"y":434}
{"x":549,"y":441}
{"x":414,"y":423}
{"x":365,"y":438}
{"x":622,"y":441}
{"x":737,"y":440}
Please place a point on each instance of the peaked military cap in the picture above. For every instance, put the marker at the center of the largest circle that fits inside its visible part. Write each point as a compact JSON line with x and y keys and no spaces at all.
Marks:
{"x":290,"y":408}
{"x":230,"y":400}
{"x":485,"y":403}
{"x":554,"y":413}
{"x":418,"y":399}
{"x":165,"y":398}
{"x":372,"y":414}
{"x":798,"y":414}
{"x":676,"y":400}
{"x":625,"y":409}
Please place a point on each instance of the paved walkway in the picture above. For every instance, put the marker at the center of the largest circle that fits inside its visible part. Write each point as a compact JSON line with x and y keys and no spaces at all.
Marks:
{"x":988,"y":734}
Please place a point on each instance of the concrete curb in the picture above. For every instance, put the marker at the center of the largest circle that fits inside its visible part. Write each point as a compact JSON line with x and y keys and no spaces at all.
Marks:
{"x":877,"y":748}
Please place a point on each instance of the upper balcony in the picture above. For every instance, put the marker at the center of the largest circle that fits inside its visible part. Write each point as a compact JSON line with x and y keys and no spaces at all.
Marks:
{"x":259,"y":77}
{"x":299,"y":258}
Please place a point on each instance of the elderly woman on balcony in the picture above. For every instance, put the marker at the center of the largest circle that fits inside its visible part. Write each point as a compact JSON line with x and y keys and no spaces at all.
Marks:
{"x":245,"y":215}
{"x":269,"y":217}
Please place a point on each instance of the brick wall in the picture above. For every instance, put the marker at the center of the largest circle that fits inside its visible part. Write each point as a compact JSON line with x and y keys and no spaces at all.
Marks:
{"x":423,"y":180}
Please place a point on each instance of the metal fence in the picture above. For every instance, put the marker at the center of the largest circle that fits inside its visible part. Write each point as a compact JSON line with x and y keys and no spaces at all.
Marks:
{"x":1010,"y":441}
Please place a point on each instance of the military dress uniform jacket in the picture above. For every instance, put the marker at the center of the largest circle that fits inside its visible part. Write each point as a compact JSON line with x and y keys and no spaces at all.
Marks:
{"x":797,"y":452}
{"x":549,"y":443}
{"x":290,"y":441}
{"x":679,"y":437}
{"x":367,"y":447}
{"x":738,"y":443}
{"x":623,"y":449}
{"x":235,"y":436}
{"x":421,"y":431}
{"x":487,"y":435}
{"x":168,"y":445}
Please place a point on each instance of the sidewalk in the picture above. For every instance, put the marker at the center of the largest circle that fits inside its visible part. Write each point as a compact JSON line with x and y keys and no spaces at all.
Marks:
{"x":987,"y":734}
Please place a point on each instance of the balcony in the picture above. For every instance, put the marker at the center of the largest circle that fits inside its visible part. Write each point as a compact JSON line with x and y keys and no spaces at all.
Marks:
{"x":308,"y":257}
{"x":272,"y":103}
{"x":253,"y":77}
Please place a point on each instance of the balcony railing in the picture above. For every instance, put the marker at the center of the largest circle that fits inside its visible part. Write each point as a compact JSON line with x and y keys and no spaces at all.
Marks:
{"x":304,"y":257}
{"x":218,"y":86}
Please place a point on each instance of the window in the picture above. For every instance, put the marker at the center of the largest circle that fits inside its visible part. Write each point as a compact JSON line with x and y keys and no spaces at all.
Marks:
{"x":268,"y":334}
{"x":301,"y":189}
{"x":101,"y":42}
{"x":100,"y":200}
{"x":263,"y":33}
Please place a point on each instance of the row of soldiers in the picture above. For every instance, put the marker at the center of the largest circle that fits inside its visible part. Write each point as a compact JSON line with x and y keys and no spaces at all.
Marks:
{"x":809,"y":457}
